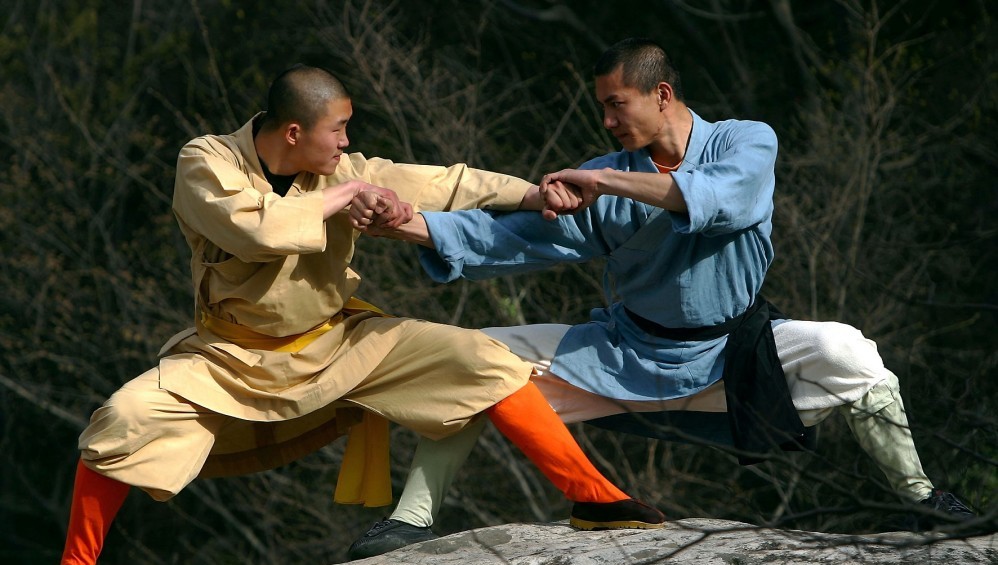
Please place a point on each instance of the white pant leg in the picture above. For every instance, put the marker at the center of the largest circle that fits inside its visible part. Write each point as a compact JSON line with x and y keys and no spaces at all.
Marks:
{"x":827,"y":364}
{"x":832,"y":367}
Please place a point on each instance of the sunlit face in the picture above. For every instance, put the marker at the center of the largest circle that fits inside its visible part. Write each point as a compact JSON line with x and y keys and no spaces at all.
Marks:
{"x":319,"y":147}
{"x":635,"y":118}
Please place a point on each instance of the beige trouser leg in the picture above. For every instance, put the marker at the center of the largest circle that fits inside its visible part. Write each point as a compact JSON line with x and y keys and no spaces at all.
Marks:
{"x":136,"y":436}
{"x":159,"y":441}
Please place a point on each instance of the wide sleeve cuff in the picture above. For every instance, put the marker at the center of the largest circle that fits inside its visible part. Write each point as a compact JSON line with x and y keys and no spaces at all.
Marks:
{"x":701,"y":202}
{"x":311,"y":226}
{"x":445,"y":261}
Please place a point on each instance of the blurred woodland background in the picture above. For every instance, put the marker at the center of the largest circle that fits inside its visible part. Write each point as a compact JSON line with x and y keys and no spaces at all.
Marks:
{"x":886,"y":199}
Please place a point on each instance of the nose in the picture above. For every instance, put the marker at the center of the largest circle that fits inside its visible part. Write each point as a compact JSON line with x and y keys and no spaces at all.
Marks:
{"x":344,"y":140}
{"x":609,"y":120}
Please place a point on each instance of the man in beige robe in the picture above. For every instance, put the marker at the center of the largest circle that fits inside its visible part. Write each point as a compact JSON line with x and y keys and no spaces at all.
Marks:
{"x":282,"y":359}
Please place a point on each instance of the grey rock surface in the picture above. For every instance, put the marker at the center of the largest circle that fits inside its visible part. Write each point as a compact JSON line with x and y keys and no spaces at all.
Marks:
{"x":690,"y":541}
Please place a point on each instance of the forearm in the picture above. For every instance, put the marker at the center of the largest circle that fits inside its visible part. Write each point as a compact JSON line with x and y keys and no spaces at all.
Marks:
{"x":414,"y":231}
{"x":656,"y":189}
{"x":480,"y":245}
{"x":437,"y":188}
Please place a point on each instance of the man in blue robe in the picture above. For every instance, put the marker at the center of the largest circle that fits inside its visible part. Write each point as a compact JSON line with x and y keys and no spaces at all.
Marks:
{"x":683,"y":216}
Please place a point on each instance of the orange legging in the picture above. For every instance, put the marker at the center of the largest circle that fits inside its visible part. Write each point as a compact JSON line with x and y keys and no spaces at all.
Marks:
{"x":96,"y":500}
{"x":526,"y":419}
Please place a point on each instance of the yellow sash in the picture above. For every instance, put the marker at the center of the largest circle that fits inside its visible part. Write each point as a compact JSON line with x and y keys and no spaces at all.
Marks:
{"x":365,"y":476}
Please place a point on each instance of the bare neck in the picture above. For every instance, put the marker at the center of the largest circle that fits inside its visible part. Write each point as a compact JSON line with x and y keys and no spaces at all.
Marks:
{"x":669,"y":147}
{"x":273,"y":149}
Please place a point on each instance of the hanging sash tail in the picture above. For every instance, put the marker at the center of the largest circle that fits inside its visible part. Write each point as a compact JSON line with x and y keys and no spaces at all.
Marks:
{"x":365,"y":474}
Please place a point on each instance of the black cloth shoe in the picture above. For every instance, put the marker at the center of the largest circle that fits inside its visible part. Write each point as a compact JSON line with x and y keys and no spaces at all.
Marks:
{"x":618,"y":515}
{"x":946,"y":509}
{"x":388,"y":535}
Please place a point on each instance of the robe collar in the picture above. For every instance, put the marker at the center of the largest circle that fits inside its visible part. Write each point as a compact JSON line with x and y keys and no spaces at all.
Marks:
{"x":252,"y":167}
{"x":698,"y":140}
{"x":243,"y":138}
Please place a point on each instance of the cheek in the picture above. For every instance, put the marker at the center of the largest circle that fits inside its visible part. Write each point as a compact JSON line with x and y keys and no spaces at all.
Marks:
{"x":627,"y":120}
{"x":329,"y":144}
{"x":643,"y":124}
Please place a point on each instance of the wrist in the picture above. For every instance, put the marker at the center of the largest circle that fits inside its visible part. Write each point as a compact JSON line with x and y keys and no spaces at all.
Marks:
{"x":532,"y":199}
{"x":416,"y":231}
{"x":601,"y":186}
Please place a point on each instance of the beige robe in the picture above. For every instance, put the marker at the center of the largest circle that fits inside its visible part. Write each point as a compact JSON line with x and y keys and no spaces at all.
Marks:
{"x":272,"y":265}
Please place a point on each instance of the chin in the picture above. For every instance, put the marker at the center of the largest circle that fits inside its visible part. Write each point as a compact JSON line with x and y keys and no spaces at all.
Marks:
{"x":627,"y":142}
{"x":329,"y":168}
{"x":630,"y":145}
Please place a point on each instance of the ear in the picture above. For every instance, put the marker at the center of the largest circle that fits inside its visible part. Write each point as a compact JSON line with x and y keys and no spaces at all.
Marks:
{"x":292,"y":132}
{"x":664,"y":94}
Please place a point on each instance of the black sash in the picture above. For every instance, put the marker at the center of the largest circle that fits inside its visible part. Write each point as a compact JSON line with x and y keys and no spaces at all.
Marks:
{"x":761,"y":414}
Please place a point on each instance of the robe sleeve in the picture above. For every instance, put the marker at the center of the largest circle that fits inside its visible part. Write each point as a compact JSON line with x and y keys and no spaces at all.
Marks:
{"x":733,"y":191}
{"x":475,"y":244}
{"x":217,"y":200}
{"x":436,"y":188}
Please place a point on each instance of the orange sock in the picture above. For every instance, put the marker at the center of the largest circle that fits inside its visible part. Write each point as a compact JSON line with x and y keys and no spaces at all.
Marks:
{"x":96,"y":501}
{"x":526,"y":419}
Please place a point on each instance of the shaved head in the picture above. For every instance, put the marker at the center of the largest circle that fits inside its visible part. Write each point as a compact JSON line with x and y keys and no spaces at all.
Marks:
{"x":643,"y":64}
{"x":302,"y":94}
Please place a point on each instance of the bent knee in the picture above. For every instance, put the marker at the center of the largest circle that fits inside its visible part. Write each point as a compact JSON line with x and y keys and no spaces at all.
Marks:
{"x":479,"y":345}
{"x":845,"y":347}
{"x":139,"y":403}
{"x":124,"y":406}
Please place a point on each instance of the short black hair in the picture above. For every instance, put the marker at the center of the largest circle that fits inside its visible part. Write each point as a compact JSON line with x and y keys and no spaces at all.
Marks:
{"x":643,"y":62}
{"x":301,"y":94}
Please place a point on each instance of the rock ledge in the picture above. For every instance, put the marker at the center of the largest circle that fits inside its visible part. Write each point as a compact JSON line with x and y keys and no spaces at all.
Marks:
{"x":690,"y":541}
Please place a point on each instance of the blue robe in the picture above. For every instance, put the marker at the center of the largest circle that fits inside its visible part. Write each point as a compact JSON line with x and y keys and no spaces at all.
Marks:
{"x":680,"y":270}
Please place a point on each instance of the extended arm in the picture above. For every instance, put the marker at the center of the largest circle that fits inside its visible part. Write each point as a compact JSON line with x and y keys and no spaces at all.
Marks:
{"x":378,"y":224}
{"x":587,"y":185}
{"x":432,"y":187}
{"x":729,"y":188}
